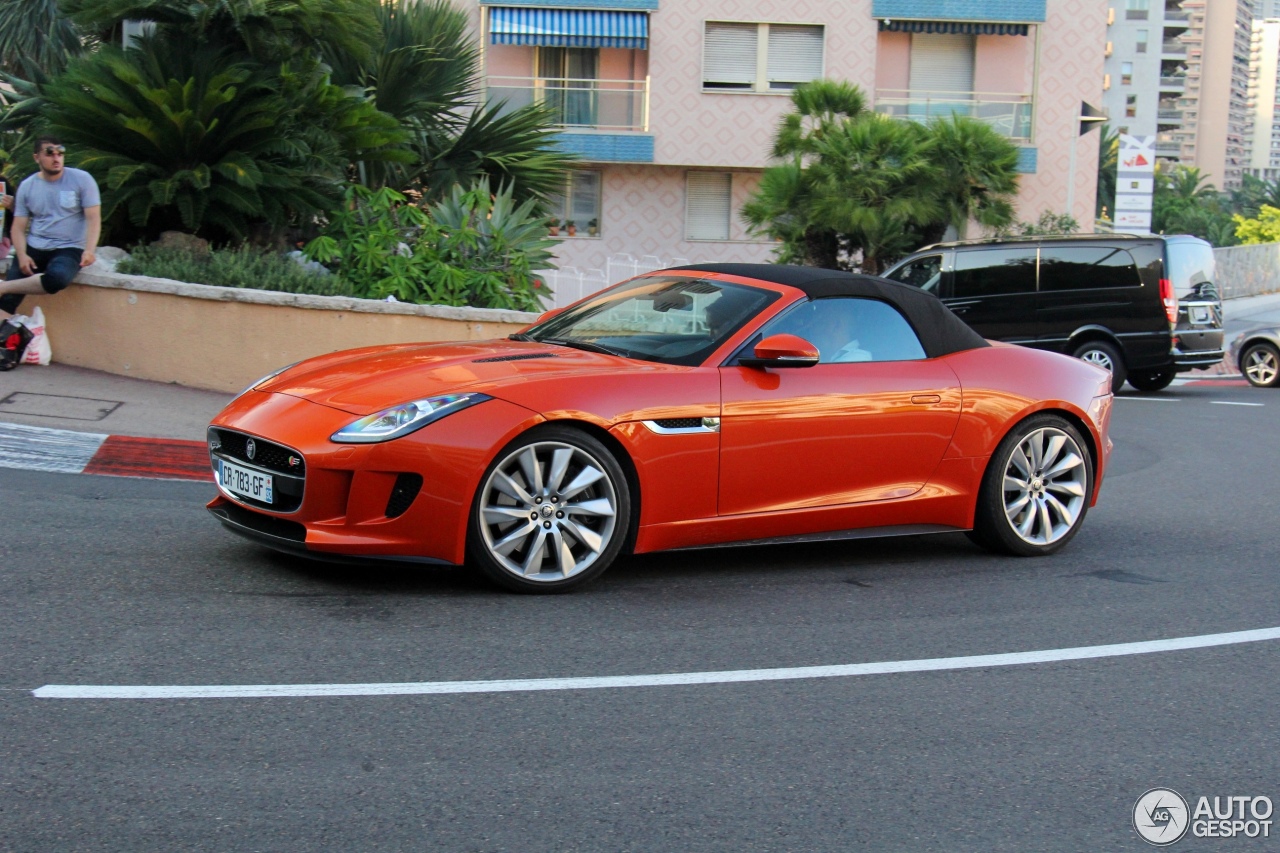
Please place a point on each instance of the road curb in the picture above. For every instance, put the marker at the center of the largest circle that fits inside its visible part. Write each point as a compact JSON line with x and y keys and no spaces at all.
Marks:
{"x":69,"y":452}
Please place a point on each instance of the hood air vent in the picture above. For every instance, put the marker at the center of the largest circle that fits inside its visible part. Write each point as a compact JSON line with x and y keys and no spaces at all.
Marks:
{"x":522,"y":357}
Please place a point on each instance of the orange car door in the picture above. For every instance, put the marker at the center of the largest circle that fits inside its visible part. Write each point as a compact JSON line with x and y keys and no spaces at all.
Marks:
{"x":833,"y":433}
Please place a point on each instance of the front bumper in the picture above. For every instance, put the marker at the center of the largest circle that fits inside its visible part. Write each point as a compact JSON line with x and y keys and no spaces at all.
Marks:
{"x":343,"y":501}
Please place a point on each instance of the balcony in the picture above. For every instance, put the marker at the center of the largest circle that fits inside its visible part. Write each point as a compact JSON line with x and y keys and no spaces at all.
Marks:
{"x":1178,"y":83}
{"x":1173,"y":48}
{"x":1169,"y":116}
{"x":1168,"y":149}
{"x":1010,"y":115}
{"x":603,"y":105}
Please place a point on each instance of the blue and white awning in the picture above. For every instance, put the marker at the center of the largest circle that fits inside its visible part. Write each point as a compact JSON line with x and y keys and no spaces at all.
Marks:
{"x":972,"y":28}
{"x":569,"y":27}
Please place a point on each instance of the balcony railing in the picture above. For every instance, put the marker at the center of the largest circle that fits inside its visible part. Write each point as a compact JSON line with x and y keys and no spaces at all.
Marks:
{"x":617,"y":105}
{"x":1168,"y":116}
{"x":1168,"y":149}
{"x":1176,"y":82}
{"x":1173,"y":48}
{"x":1011,"y":115}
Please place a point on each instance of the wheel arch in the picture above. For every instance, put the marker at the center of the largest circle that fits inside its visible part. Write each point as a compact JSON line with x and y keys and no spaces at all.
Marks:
{"x":1076,"y":420}
{"x":1090,"y":333}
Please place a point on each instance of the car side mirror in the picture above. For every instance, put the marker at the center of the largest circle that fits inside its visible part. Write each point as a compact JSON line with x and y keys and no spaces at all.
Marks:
{"x":782,"y":351}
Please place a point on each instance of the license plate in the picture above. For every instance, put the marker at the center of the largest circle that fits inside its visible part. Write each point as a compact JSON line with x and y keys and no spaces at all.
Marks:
{"x":1199,"y":315}
{"x":244,"y":482}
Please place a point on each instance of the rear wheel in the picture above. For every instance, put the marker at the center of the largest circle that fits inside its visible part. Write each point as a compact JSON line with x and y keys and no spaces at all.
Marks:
{"x":1107,"y":356}
{"x":551,"y":513}
{"x":1152,"y":380}
{"x":1036,"y":489}
{"x":1260,"y":364}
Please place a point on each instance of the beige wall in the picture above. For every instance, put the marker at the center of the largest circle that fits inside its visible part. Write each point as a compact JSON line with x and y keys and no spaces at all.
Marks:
{"x":223,"y":344}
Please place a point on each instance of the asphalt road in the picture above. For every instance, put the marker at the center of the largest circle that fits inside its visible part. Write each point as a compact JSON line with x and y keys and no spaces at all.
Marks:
{"x":128,"y":582}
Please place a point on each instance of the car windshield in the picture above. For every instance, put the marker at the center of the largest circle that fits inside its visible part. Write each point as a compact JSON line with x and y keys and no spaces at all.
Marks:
{"x":663,"y":318}
{"x":1191,"y":269}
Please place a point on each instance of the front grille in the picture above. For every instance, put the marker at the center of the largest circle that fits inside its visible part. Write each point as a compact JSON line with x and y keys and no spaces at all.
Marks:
{"x":679,"y":423}
{"x":402,"y":494}
{"x":522,"y":357}
{"x":273,"y":457}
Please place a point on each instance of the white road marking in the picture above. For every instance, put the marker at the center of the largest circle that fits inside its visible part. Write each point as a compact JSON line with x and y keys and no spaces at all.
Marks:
{"x":246,"y":691}
{"x":1233,"y":403}
{"x":40,"y":449}
{"x":1153,"y":399}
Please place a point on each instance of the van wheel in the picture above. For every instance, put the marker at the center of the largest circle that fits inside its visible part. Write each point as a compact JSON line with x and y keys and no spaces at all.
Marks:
{"x":1036,"y":489}
{"x":1106,"y":356}
{"x":1152,"y":380}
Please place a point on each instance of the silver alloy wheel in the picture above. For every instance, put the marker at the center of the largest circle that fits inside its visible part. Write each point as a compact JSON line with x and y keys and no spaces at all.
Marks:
{"x":1260,"y":365}
{"x":548,"y":511}
{"x":1100,"y":358}
{"x":1045,"y":484}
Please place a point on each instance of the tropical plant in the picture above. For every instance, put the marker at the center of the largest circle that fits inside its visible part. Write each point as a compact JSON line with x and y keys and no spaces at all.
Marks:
{"x":423,"y":70}
{"x":854,"y":188}
{"x":242,"y":267}
{"x":36,"y":38}
{"x":1048,"y":224}
{"x":1254,"y":192}
{"x":1108,"y":164}
{"x":472,"y":248}
{"x":1184,"y":202}
{"x":1264,"y":228}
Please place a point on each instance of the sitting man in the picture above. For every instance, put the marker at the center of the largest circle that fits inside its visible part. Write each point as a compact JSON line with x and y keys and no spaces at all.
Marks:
{"x":63,"y":211}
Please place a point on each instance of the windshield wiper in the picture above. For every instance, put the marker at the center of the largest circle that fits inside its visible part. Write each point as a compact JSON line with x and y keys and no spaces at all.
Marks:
{"x":521,"y":336}
{"x":589,"y":346}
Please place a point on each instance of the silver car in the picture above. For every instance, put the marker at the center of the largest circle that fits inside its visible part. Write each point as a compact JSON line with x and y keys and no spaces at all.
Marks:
{"x":1257,"y":352}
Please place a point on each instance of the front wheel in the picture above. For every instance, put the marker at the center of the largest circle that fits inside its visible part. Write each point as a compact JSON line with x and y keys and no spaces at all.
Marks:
{"x":1152,"y":380}
{"x":1260,"y":364}
{"x":1107,"y":356}
{"x":1036,"y":489}
{"x":552,"y":512}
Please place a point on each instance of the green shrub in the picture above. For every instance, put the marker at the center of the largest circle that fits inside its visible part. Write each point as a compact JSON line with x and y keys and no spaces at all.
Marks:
{"x":243,"y":267}
{"x":473,"y":248}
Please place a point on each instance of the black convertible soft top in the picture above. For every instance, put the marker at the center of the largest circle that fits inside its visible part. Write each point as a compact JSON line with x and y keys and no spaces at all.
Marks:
{"x":940,"y":331}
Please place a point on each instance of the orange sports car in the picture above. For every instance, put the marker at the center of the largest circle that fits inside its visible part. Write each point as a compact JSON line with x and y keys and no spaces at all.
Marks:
{"x":705,"y":405}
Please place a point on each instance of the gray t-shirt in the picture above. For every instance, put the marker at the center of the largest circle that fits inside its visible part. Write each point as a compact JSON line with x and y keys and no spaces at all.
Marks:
{"x":57,"y":208}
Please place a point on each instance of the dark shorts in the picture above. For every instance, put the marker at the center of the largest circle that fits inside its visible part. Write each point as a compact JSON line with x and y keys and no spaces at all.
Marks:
{"x":59,"y":267}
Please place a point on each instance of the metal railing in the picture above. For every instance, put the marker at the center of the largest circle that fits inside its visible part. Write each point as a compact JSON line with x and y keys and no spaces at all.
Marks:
{"x":569,"y":284}
{"x":578,"y":103}
{"x":1009,"y":114}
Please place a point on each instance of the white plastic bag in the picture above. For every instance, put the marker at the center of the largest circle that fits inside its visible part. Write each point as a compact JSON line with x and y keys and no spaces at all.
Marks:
{"x":38,"y":351}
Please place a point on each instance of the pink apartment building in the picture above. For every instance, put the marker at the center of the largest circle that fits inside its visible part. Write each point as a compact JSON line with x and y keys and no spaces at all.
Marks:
{"x":672,"y":104}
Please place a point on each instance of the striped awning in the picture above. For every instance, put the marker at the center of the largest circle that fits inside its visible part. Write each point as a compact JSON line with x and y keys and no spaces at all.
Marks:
{"x":569,"y":27}
{"x":970,"y":28}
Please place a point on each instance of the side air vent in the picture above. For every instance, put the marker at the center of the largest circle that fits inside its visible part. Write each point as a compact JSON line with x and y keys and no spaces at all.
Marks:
{"x":522,"y":357}
{"x":679,"y":423}
{"x":402,"y":494}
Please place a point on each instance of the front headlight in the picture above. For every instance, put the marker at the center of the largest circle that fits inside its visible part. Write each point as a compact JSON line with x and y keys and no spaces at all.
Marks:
{"x":404,"y":418}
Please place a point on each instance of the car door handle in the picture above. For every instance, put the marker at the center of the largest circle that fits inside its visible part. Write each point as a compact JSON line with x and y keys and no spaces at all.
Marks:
{"x":925,"y":399}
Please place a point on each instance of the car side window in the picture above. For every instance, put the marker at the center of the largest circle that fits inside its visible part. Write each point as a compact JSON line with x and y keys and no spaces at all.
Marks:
{"x":924,"y":273}
{"x":849,"y":329}
{"x":994,"y":272}
{"x":1086,"y":268}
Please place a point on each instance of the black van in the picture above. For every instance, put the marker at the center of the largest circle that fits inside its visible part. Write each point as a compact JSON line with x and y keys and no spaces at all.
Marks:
{"x":1145,"y":307}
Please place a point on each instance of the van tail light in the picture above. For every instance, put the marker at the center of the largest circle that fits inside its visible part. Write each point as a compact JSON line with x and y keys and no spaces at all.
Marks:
{"x":1170,"y":300}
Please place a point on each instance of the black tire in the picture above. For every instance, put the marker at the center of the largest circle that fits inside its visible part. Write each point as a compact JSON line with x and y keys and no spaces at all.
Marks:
{"x":552,"y":512}
{"x":1013,"y":521}
{"x":1152,"y":380}
{"x":1260,"y":364}
{"x":1105,"y":354}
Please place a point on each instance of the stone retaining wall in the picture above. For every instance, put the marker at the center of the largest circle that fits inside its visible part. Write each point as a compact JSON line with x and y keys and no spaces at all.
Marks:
{"x":223,"y":338}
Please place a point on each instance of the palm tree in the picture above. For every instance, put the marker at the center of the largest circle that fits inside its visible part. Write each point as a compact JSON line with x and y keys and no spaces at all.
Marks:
{"x":423,"y":69}
{"x":35,"y":38}
{"x":979,"y":166}
{"x":1108,"y":163}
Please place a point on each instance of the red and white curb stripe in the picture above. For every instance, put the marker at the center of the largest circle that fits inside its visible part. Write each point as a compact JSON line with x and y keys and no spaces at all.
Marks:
{"x":68,"y":452}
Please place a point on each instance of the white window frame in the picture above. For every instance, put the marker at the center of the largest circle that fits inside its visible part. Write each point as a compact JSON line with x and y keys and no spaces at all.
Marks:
{"x":688,"y":211}
{"x":761,"y":84}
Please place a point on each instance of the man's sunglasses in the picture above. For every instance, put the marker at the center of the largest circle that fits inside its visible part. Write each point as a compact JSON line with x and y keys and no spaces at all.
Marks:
{"x":50,"y":150}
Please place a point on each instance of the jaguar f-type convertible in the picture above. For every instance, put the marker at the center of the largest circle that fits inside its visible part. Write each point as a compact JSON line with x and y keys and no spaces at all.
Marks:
{"x":707,"y":405}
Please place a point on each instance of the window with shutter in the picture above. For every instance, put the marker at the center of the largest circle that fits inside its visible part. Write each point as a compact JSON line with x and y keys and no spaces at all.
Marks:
{"x":941,"y":63}
{"x":708,"y":203}
{"x":795,"y":55}
{"x":730,"y":56}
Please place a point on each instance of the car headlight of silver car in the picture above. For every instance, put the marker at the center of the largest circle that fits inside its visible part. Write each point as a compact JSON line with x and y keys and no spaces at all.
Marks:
{"x":404,"y":418}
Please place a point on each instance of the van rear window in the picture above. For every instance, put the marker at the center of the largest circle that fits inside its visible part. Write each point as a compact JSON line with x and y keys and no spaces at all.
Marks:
{"x":1086,"y":268}
{"x":1192,"y":270}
